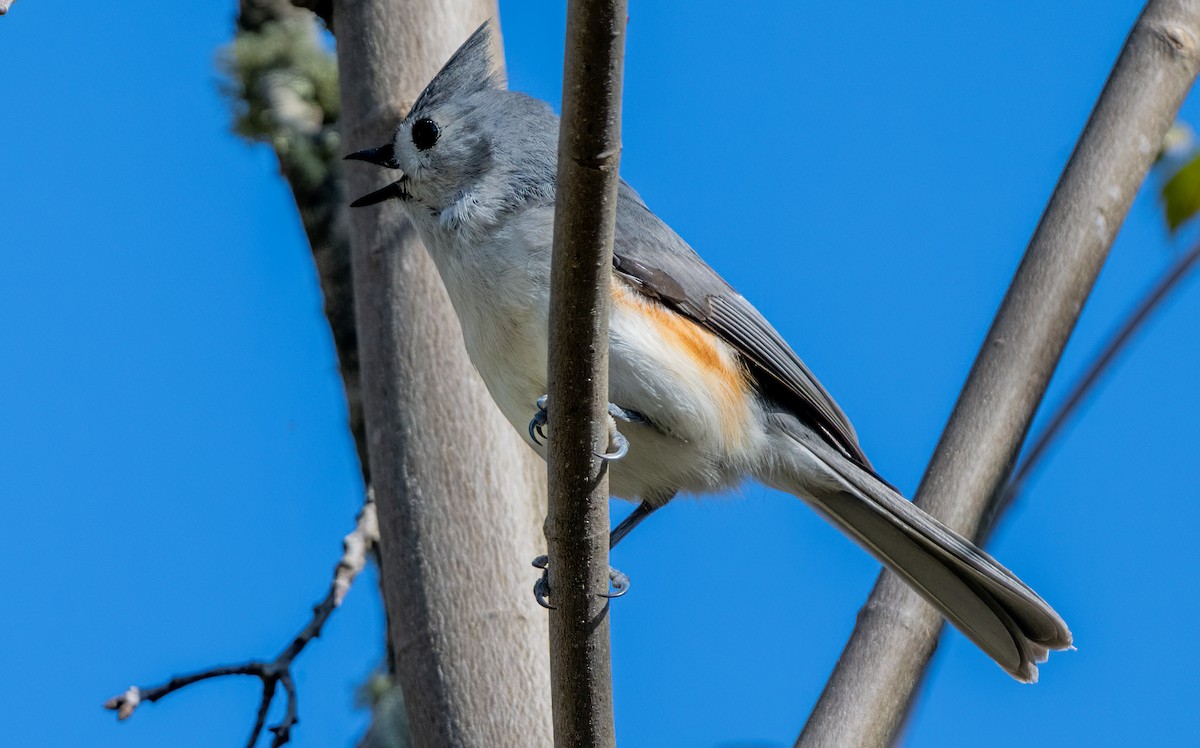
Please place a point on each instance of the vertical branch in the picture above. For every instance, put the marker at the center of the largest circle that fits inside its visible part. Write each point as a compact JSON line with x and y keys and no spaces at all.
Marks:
{"x":459,"y":494}
{"x":584,"y":223}
{"x":876,"y":676}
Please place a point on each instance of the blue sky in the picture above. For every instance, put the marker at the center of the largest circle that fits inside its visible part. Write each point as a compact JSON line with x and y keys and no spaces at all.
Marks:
{"x":175,"y":473}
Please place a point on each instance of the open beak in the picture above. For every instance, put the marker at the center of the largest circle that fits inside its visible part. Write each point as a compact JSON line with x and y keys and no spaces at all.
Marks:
{"x":381,"y":156}
{"x":385,"y":157}
{"x":394,"y":191}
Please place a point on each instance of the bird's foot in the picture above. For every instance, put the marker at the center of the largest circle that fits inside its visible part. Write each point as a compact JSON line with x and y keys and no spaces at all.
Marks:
{"x":618,"y":581}
{"x":618,"y":445}
{"x":537,"y":424}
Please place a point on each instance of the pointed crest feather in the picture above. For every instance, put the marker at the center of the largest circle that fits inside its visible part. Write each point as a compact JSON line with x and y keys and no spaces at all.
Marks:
{"x":468,"y":71}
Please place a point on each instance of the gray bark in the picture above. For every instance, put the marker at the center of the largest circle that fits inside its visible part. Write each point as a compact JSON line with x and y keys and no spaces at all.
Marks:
{"x":589,"y":151}
{"x":873,"y":684}
{"x":1086,"y":383}
{"x":460,"y":496}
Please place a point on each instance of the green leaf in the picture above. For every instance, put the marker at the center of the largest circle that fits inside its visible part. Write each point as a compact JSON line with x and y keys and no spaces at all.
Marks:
{"x":1181,"y":194}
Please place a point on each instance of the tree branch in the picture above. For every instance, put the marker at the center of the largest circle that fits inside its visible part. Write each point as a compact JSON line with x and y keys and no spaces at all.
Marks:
{"x":589,"y":149}
{"x":277,"y":672}
{"x":461,"y":497}
{"x":1041,"y":444}
{"x":870,"y":689}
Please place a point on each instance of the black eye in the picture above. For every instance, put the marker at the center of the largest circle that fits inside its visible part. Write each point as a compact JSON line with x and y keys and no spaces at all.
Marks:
{"x":425,"y":133}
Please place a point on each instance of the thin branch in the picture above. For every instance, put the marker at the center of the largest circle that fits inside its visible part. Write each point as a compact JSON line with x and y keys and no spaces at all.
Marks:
{"x":268,"y":695}
{"x":875,"y":679}
{"x":589,"y":149}
{"x":276,"y":672}
{"x":1161,"y":291}
{"x":290,"y":715}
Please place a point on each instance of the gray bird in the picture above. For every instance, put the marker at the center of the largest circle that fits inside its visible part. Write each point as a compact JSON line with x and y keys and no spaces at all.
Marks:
{"x":706,"y":391}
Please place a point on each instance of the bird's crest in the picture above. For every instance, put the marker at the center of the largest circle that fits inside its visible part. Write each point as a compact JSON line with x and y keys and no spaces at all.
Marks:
{"x":468,"y":71}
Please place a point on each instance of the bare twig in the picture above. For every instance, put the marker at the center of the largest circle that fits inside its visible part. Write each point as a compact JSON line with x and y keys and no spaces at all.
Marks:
{"x":277,"y":672}
{"x":589,"y":149}
{"x":875,"y":679}
{"x":1170,"y":279}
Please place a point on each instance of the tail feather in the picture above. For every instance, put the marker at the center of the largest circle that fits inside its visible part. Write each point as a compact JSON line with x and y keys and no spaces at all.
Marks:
{"x":984,"y":600}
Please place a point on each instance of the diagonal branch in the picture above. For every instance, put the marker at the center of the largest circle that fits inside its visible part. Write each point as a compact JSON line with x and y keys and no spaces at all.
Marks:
{"x":1161,"y":291}
{"x":589,"y":149}
{"x":277,"y":672}
{"x":876,"y":677}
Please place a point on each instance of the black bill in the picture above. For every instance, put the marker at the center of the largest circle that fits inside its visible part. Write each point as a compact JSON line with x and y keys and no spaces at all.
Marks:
{"x":394,"y":191}
{"x":382,"y":156}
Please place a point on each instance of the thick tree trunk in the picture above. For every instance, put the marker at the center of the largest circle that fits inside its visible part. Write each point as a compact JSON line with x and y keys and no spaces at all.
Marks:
{"x":461,"y":498}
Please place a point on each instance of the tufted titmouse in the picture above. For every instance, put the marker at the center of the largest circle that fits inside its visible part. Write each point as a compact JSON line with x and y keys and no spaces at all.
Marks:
{"x":707,"y":391}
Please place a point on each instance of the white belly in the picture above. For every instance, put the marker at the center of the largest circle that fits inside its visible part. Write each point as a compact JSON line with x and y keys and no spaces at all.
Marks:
{"x":700,"y":421}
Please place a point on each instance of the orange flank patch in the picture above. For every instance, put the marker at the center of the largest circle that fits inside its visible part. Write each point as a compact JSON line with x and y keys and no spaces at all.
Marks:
{"x":726,"y":379}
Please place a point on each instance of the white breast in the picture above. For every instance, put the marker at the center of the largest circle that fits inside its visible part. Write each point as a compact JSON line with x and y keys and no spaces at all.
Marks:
{"x":500,"y":287}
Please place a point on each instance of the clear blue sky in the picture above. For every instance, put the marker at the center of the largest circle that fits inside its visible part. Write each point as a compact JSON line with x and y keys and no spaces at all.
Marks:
{"x":175,"y":472}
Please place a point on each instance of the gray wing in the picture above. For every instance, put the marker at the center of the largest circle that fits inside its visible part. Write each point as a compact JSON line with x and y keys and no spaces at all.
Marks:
{"x":652,"y":258}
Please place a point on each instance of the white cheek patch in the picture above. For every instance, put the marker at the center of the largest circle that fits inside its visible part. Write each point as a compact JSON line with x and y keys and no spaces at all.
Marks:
{"x":404,"y":154}
{"x":412,"y":162}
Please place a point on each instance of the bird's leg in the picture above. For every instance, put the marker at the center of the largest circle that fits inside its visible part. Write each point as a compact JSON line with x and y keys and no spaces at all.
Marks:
{"x":617,"y":443}
{"x":643,"y":510}
{"x":619,"y":447}
{"x":619,"y":581}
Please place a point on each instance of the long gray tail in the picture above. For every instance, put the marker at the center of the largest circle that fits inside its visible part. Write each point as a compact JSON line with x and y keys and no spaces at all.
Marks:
{"x":984,"y":600}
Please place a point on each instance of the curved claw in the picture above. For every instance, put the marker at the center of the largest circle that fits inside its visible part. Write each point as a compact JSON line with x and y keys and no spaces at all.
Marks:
{"x":535,"y":429}
{"x":620,"y":584}
{"x":541,"y":588}
{"x":538,"y":422}
{"x":620,"y":447}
